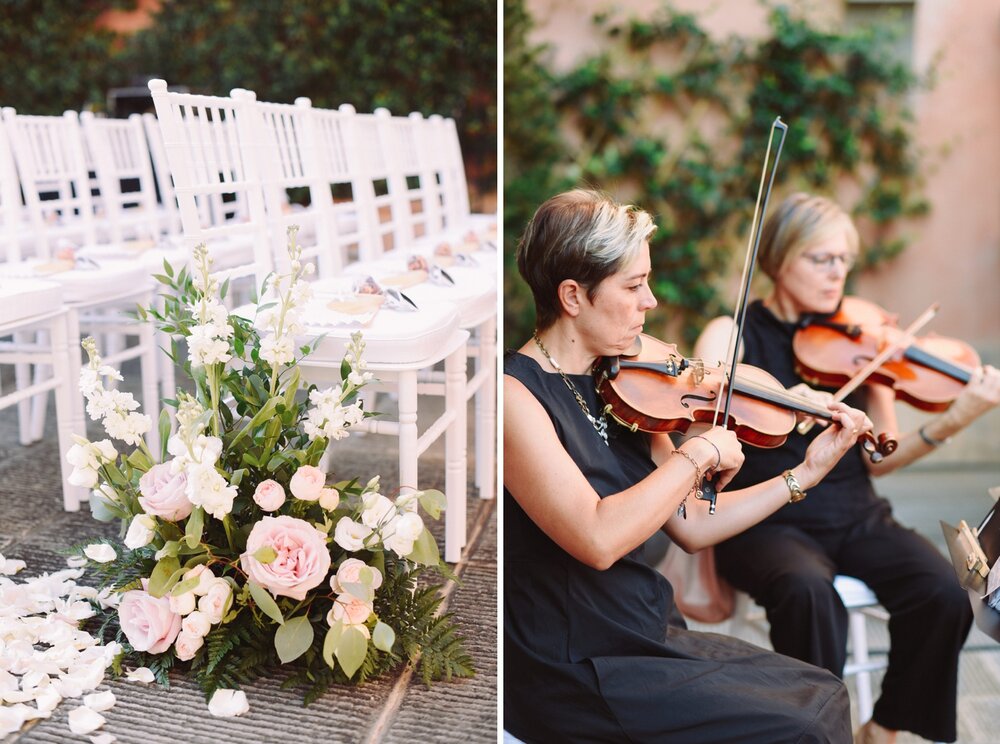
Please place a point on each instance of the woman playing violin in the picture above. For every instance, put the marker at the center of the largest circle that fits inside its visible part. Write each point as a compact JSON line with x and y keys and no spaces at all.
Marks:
{"x":594,"y":647}
{"x":787,"y":562}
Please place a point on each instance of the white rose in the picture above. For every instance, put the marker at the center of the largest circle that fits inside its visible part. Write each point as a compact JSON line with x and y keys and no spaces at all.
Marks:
{"x":197,"y":624}
{"x":216,"y":601}
{"x":183,"y":604}
{"x":205,"y":578}
{"x":187,"y":645}
{"x":140,"y":531}
{"x":208,"y":489}
{"x":329,"y":498}
{"x":350,"y":535}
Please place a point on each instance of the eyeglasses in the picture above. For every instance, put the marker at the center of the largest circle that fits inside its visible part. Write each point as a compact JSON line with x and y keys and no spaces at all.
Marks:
{"x":828,"y":260}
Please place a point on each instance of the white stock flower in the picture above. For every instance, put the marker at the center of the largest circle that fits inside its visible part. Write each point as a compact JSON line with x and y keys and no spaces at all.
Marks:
{"x":208,"y":489}
{"x":350,"y":535}
{"x":86,"y":459}
{"x":277,"y":350}
{"x":140,"y":531}
{"x":116,"y":408}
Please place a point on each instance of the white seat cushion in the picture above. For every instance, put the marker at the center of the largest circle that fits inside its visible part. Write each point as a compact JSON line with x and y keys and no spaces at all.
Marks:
{"x":22,"y":299}
{"x":84,"y":285}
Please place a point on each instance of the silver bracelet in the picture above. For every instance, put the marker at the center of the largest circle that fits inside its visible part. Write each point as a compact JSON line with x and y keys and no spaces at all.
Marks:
{"x":718,"y":455}
{"x":929,"y":440}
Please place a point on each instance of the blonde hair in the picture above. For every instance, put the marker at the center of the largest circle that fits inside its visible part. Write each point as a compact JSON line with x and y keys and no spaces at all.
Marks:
{"x":799,"y":222}
{"x":582,"y":235}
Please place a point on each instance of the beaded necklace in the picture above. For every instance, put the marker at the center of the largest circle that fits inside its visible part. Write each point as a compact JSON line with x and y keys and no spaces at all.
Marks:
{"x":600,"y":423}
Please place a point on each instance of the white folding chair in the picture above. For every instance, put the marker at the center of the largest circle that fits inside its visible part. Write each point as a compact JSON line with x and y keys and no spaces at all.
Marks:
{"x":101,"y":297}
{"x":161,"y":174}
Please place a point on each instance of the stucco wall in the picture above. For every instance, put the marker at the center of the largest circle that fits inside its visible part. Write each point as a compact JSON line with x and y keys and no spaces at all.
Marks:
{"x":954,"y":256}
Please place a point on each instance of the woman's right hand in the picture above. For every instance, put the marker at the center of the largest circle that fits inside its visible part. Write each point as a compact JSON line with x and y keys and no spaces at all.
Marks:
{"x":725,"y":458}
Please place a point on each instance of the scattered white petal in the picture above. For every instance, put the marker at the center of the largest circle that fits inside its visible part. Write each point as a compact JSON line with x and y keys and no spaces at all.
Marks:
{"x":83,"y":720}
{"x":48,"y":699}
{"x":103,"y":739}
{"x":143,"y":675}
{"x":100,"y":552}
{"x":228,"y":703}
{"x":10,"y":566}
{"x":76,"y":561}
{"x":12,"y":717}
{"x":99,"y":700}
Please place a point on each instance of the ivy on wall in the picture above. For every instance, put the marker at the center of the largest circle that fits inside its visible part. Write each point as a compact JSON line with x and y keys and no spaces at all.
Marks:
{"x":432,"y":56}
{"x":684,"y":138}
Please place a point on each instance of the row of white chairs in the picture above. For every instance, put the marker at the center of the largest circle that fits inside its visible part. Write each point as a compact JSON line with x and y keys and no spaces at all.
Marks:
{"x":223,"y":166}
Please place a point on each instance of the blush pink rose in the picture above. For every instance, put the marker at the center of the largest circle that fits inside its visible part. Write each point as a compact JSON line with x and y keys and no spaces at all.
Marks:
{"x":307,"y":483}
{"x":349,"y":572}
{"x":164,"y":493}
{"x":148,"y":622}
{"x":302,"y":561}
{"x":349,"y":610}
{"x":269,"y":495}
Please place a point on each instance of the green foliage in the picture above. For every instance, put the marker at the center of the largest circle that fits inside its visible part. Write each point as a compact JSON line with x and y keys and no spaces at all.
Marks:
{"x":432,"y":56}
{"x":670,"y":118}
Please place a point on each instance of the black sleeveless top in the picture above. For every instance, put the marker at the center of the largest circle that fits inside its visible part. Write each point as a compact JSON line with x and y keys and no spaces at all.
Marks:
{"x":846,"y":493}
{"x":605,"y":656}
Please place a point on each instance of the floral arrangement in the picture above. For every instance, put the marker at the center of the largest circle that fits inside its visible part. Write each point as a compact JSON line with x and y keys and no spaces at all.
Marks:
{"x":236,"y":554}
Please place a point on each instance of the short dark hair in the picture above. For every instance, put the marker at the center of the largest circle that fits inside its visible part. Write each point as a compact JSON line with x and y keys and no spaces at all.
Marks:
{"x":582,"y":235}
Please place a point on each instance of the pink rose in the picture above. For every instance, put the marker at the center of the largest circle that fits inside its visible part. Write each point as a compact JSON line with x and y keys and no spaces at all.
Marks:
{"x":307,"y":483}
{"x":269,"y":495}
{"x":163,"y":493}
{"x":187,"y":645}
{"x":302,"y":560}
{"x":350,"y":610}
{"x":148,"y":622}
{"x":216,"y":601}
{"x":350,"y":573}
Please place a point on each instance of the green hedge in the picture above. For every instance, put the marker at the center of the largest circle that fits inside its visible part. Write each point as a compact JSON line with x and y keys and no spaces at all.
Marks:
{"x":843,"y":99}
{"x":432,"y":56}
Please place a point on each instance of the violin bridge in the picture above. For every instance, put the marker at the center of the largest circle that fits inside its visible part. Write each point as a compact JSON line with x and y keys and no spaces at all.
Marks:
{"x":698,"y":367}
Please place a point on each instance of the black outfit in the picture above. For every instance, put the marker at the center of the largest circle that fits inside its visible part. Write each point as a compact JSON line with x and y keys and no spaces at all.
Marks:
{"x":604,"y":656}
{"x":788,"y":561}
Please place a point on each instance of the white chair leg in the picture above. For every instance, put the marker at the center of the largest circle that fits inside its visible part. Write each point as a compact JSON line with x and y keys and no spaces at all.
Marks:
{"x":73,"y":496}
{"x":485,"y":423}
{"x":74,"y":355}
{"x":455,"y":456}
{"x":22,"y":379}
{"x":150,"y":388}
{"x":408,"y":431}
{"x":40,"y":403}
{"x":859,"y":656}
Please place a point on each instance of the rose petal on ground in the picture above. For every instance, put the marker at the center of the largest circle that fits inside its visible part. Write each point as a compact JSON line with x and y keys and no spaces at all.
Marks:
{"x":142,"y":675}
{"x":228,"y":703}
{"x":83,"y":720}
{"x":99,"y":700}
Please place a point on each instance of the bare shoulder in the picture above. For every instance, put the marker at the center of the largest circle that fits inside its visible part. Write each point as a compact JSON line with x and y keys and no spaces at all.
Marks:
{"x":713,"y":343}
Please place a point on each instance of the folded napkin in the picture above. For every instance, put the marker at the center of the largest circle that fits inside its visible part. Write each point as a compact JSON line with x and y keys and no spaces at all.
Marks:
{"x":357,"y":309}
{"x":407,"y":279}
{"x":54,"y":267}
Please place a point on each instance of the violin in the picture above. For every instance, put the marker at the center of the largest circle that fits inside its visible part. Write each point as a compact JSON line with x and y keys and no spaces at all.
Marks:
{"x":658,"y":390}
{"x":927,"y":372}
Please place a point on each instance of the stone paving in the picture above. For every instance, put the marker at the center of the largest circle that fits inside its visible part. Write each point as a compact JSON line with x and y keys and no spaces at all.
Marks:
{"x":34,"y":528}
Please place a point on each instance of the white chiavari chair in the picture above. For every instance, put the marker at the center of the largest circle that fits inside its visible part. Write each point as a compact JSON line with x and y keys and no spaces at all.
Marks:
{"x":284,"y":144}
{"x":100,"y":297}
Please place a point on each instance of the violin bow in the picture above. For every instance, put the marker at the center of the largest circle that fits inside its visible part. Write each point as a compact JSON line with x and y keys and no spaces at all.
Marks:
{"x":708,"y":492}
{"x":865,"y":372}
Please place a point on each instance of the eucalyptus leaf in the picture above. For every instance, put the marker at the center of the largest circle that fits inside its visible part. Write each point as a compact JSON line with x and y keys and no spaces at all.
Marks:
{"x":164,"y":428}
{"x":195,"y":526}
{"x":383,"y":637}
{"x":331,"y":641}
{"x":425,"y":549}
{"x":351,"y":650}
{"x":265,"y":602}
{"x":433,"y":502}
{"x":265,"y":554}
{"x":360,"y":591}
{"x":183,"y":587}
{"x":293,"y":638}
{"x":159,"y":579}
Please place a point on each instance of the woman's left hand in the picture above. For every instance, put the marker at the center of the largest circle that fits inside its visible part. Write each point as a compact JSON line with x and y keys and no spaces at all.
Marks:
{"x":979,"y":396}
{"x":826,"y":450}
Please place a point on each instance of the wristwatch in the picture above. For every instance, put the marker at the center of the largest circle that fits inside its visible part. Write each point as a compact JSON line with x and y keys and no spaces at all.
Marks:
{"x":794,"y":489}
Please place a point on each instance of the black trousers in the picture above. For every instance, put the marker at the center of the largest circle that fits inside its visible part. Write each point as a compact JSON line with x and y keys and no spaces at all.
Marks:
{"x":789,"y":571}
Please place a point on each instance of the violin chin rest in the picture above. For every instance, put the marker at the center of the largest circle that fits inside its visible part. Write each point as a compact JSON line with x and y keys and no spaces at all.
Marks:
{"x":635,"y":348}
